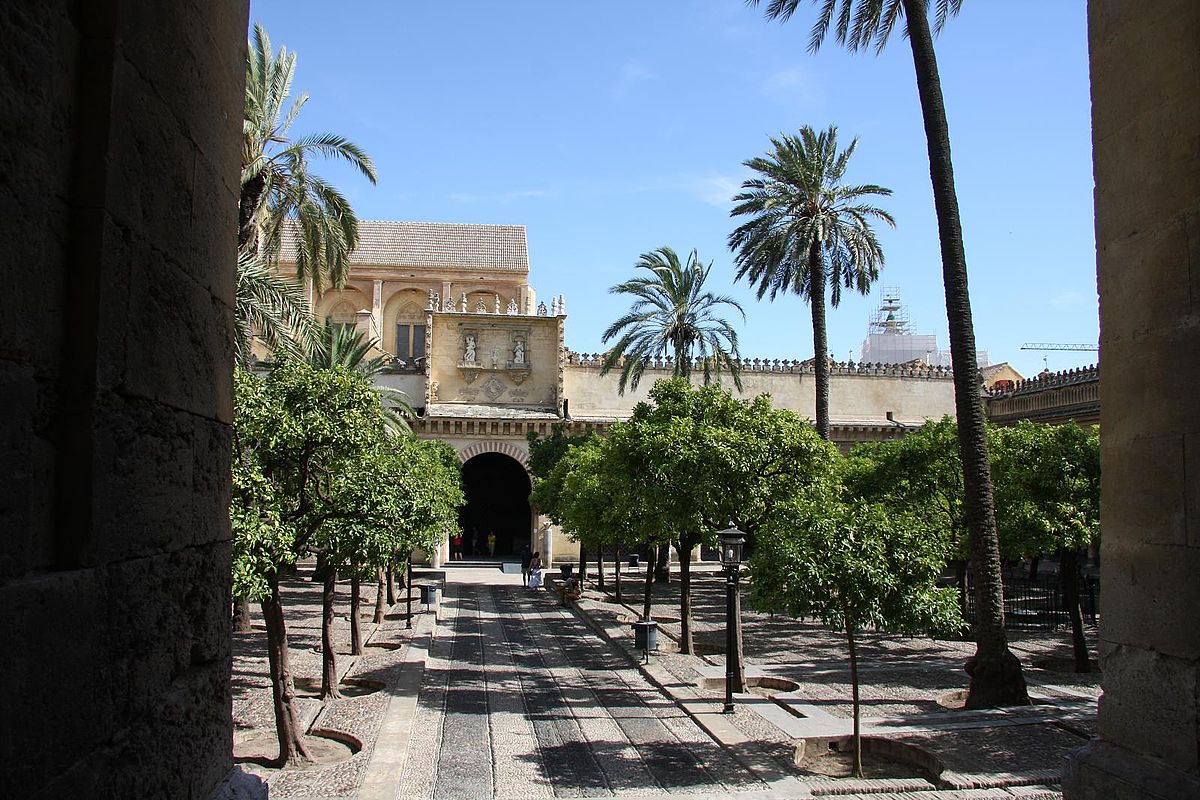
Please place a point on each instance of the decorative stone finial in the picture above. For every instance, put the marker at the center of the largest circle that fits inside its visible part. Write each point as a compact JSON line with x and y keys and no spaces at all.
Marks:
{"x":497,"y":304}
{"x":541,"y":309}
{"x":462,"y":304}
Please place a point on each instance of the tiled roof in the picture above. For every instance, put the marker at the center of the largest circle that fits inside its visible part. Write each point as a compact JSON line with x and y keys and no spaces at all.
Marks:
{"x":436,"y":245}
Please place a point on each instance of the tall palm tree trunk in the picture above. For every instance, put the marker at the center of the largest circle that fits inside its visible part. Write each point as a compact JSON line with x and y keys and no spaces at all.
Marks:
{"x":996,"y":676}
{"x":820,"y":339}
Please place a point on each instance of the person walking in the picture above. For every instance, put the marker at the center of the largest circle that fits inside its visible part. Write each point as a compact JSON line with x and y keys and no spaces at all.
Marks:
{"x":456,"y":545}
{"x":491,"y":540}
{"x":526,"y":557}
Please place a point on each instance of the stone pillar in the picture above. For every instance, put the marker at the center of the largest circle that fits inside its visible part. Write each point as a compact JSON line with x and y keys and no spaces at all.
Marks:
{"x":118,"y":217}
{"x":1145,"y":65}
{"x":377,"y":310}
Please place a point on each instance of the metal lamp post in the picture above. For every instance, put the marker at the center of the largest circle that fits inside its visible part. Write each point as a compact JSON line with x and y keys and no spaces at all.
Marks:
{"x":731,"y":559}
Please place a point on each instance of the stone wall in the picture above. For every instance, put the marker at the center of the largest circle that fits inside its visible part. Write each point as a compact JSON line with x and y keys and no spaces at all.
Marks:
{"x":1145,"y":66}
{"x":857,"y":392}
{"x":118,"y":204}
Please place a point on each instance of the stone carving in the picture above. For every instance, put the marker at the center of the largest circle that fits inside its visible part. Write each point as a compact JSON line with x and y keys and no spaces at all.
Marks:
{"x":562,"y":305}
{"x":497,"y":304}
{"x":541,"y":312}
{"x":519,"y":394}
{"x":468,"y":394}
{"x":449,"y":304}
{"x":433,"y":391}
{"x":519,"y":352}
{"x":512,"y":307}
{"x":493,"y":387}
{"x":469,"y":351}
{"x":480,"y":308}
{"x":431,"y":304}
{"x":462,"y":305}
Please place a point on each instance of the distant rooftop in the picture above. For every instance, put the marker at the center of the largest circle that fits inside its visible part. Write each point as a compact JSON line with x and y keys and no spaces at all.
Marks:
{"x":436,"y":245}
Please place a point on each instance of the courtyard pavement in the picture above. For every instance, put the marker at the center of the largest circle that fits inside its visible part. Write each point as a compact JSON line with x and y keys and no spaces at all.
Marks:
{"x":508,"y":695}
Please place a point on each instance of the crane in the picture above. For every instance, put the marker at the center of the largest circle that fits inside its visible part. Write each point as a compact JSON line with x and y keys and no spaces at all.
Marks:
{"x":1059,"y":346}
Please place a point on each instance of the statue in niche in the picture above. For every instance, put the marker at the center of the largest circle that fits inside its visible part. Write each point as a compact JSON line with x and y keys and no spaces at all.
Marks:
{"x":519,"y":352}
{"x":462,"y":305}
{"x":512,"y":307}
{"x":542,"y":311}
{"x":469,"y":353}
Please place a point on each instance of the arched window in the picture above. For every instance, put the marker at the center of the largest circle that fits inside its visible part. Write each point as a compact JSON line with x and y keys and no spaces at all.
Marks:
{"x":342,"y":315}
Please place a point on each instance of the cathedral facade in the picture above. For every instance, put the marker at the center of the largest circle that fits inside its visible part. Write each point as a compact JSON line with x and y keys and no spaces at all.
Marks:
{"x":485,"y":362}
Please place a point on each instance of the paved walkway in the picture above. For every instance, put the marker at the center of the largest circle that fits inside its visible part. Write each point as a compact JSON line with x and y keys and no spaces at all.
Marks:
{"x":520,"y":700}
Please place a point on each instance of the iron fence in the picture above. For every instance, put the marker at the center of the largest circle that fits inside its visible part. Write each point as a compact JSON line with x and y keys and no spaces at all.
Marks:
{"x":1038,"y":604}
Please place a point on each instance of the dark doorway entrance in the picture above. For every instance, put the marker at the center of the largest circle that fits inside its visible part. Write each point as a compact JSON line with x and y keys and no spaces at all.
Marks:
{"x":497,"y":489}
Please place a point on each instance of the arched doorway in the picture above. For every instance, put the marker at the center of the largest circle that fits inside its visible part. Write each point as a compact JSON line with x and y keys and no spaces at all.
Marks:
{"x":497,"y":489}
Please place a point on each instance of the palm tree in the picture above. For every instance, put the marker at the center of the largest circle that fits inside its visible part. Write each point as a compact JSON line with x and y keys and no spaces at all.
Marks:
{"x":272,"y":309}
{"x":280,"y":195}
{"x":996,"y":676}
{"x":672,"y":315}
{"x":806,"y":230}
{"x":342,"y":346}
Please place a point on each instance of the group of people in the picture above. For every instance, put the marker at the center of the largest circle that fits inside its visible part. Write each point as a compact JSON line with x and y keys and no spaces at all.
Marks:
{"x":460,"y":548}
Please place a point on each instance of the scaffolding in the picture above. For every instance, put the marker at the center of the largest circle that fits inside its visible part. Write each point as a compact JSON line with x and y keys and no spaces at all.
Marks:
{"x":890,"y":339}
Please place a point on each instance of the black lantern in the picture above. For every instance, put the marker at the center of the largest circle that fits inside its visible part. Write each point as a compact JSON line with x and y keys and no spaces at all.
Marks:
{"x":731,"y":547}
{"x":731,"y":558}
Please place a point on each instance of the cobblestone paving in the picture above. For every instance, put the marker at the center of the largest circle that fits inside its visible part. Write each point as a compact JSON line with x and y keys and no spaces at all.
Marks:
{"x":520,"y":700}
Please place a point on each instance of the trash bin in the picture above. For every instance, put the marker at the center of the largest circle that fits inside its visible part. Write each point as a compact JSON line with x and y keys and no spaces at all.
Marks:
{"x":567,"y":570}
{"x":429,"y":593}
{"x":645,"y":635}
{"x":634,"y":560}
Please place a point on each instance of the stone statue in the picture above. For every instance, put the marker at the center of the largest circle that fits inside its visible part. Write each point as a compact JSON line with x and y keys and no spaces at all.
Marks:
{"x":542,"y":309}
{"x":469,"y":354}
{"x":512,"y":307}
{"x":431,"y":303}
{"x":497,"y":304}
{"x":480,"y":308}
{"x":519,"y":352}
{"x":462,"y":305}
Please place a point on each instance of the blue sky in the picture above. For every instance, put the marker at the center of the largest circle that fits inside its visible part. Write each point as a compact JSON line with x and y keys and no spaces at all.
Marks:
{"x":610,"y":129}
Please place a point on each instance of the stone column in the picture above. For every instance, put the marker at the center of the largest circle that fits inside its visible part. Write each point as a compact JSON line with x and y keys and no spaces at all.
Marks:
{"x":118,"y":218}
{"x":1145,"y":66}
{"x":377,"y":310}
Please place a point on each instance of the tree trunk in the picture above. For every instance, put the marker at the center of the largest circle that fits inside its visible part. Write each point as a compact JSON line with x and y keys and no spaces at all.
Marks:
{"x":820,"y":339}
{"x":996,"y":676}
{"x":617,"y":576}
{"x":329,"y":674}
{"x":356,"y":644}
{"x":283,"y":689}
{"x":241,"y":615}
{"x":649,"y":582}
{"x":582,"y":565}
{"x":408,"y":587}
{"x":1033,"y":567}
{"x":380,"y":590}
{"x":600,"y":568}
{"x":858,"y":769}
{"x":685,"y":547}
{"x":662,"y":564}
{"x":1068,"y":572}
{"x":391,"y":585}
{"x":248,"y":204}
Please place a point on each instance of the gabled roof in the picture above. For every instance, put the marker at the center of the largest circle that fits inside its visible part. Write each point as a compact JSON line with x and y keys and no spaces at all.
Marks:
{"x":436,"y":245}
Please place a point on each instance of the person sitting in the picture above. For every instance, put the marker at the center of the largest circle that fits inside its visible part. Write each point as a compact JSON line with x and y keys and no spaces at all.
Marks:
{"x":569,"y":592}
